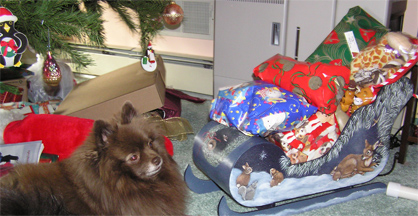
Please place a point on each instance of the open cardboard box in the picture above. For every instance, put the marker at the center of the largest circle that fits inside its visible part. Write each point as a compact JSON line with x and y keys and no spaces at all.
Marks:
{"x":103,"y":96}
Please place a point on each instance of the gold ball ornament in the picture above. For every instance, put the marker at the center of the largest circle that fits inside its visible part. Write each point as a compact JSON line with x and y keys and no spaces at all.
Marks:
{"x":173,"y":14}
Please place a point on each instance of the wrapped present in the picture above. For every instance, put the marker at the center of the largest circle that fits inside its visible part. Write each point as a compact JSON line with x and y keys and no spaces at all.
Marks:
{"x":259,"y":108}
{"x":10,"y":93}
{"x":319,"y":83}
{"x":310,"y":139}
{"x":365,"y":29}
{"x":25,"y":108}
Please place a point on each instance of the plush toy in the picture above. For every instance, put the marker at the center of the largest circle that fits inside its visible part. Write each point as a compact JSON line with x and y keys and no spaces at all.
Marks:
{"x":378,"y":65}
{"x":402,"y":45}
{"x":347,"y":100}
{"x":362,"y":97}
{"x":375,"y":64}
{"x":60,"y":134}
{"x":354,"y":99}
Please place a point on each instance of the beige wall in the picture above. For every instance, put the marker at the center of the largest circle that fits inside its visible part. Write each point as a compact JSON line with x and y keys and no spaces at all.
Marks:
{"x":118,"y":35}
{"x":411,"y":18}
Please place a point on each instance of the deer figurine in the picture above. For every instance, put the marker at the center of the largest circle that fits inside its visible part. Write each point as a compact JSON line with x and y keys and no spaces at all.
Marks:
{"x":354,"y":164}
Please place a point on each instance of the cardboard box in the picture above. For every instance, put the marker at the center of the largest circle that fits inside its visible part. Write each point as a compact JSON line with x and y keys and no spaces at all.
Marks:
{"x":20,"y":83}
{"x":104,"y":96}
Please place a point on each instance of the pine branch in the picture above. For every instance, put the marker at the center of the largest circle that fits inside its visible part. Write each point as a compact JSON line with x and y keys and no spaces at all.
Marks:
{"x":148,"y":16}
{"x":49,"y":24}
{"x":64,"y":20}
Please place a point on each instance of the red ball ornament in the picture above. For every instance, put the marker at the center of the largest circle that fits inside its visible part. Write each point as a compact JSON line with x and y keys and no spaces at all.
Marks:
{"x":173,"y":14}
{"x":51,"y":71}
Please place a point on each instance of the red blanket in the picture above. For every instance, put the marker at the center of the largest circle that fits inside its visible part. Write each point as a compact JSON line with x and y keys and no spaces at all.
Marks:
{"x":60,"y":134}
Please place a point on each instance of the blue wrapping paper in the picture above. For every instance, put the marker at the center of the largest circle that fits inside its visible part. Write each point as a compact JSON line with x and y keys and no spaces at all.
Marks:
{"x":259,"y":108}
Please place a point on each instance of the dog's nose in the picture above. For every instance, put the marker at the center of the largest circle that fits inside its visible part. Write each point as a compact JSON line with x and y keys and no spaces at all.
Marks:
{"x":156,"y":160}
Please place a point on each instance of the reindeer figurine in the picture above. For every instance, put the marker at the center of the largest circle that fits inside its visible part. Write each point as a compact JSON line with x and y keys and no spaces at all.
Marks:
{"x":354,"y":164}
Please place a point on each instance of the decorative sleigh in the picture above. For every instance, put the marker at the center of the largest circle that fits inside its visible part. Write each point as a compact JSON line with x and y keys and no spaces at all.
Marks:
{"x":257,"y":173}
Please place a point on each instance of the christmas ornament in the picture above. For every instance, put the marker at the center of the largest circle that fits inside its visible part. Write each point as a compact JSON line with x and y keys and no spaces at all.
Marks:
{"x":51,"y":72}
{"x":150,"y":53}
{"x":173,"y":14}
{"x":12,"y":42}
{"x":148,"y":61}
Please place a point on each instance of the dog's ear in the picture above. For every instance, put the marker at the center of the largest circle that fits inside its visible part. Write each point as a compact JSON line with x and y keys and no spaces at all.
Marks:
{"x":128,"y":113}
{"x":102,"y":131}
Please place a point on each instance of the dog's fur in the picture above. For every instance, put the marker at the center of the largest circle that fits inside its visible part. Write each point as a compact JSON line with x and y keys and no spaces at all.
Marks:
{"x":123,"y":168}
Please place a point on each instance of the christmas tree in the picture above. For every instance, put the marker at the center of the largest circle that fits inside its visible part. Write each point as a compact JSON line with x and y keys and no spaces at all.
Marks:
{"x":55,"y":25}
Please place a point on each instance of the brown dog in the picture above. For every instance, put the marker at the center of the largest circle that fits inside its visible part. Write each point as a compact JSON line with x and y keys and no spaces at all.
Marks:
{"x":123,"y":168}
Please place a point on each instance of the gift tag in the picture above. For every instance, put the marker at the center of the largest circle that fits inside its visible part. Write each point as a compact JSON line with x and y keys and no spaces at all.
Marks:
{"x":352,"y":44}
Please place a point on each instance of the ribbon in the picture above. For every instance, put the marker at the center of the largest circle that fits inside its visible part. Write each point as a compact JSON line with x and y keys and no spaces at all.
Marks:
{"x":8,"y":44}
{"x":394,"y":51}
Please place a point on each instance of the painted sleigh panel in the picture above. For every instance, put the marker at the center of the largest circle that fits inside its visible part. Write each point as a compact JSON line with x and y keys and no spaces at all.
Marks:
{"x":256,"y":172}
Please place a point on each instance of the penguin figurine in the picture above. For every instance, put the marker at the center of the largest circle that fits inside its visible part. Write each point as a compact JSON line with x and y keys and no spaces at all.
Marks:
{"x":150,"y":53}
{"x":148,"y":61}
{"x":12,"y":42}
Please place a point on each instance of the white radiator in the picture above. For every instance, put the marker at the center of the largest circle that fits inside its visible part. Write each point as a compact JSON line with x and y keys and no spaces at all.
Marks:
{"x":191,"y":74}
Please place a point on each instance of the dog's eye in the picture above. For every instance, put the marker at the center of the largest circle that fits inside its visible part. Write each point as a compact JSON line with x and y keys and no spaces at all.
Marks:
{"x":150,"y":143}
{"x":134,"y":157}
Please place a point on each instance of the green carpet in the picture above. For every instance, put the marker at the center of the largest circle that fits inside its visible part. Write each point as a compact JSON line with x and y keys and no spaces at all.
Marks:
{"x":379,"y":204}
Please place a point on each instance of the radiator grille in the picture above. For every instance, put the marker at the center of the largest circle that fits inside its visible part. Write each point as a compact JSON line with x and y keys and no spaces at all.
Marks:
{"x":196,"y":16}
{"x":261,"y":1}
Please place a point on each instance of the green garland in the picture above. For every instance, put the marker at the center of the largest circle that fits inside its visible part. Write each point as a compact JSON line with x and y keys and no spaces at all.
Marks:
{"x":49,"y":24}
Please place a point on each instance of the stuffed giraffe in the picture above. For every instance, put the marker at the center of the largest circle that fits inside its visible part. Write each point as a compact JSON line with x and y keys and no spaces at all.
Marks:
{"x":376,"y":63}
